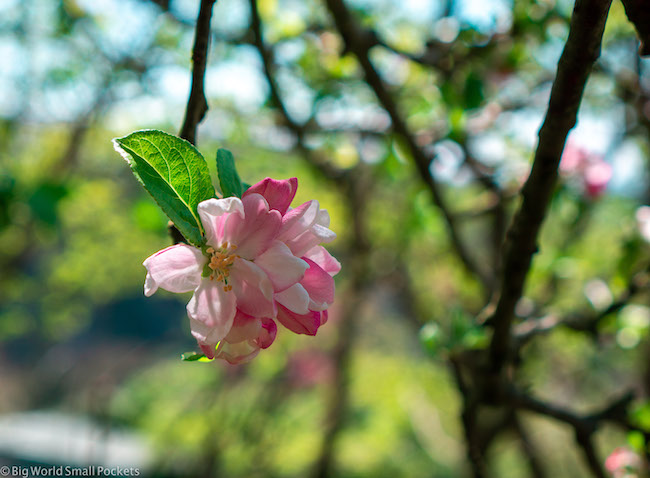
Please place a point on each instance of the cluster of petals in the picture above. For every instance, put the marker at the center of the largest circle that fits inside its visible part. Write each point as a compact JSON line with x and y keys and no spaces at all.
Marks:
{"x":590,"y":169}
{"x":262,"y":263}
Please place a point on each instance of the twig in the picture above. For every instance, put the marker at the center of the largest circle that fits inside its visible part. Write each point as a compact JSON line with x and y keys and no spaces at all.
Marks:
{"x":300,"y":131}
{"x":197,"y":105}
{"x":584,"y":426}
{"x":359,"y":41}
{"x":582,"y":49}
{"x":580,"y":322}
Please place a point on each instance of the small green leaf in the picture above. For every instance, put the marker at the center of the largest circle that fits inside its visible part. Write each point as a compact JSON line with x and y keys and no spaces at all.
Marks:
{"x":229,"y":180}
{"x":173,"y":172}
{"x":195,"y":357}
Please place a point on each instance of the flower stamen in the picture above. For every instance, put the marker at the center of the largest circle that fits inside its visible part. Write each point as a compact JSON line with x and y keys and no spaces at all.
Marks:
{"x":221,"y":260}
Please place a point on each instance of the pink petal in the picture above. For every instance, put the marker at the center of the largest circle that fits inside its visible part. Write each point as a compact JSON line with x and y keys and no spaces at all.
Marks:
{"x":176,"y":269}
{"x":258,"y":228}
{"x":324,"y":259}
{"x":298,"y":220}
{"x":305,"y":227}
{"x":221,"y":219}
{"x":278,"y":193}
{"x":253,"y":289}
{"x":244,"y":327}
{"x":238,"y":353}
{"x":211,"y":311}
{"x":283,"y":268}
{"x":294,"y":298}
{"x":299,"y":323}
{"x":319,"y":285}
{"x":267,"y":334}
{"x":208,"y":350}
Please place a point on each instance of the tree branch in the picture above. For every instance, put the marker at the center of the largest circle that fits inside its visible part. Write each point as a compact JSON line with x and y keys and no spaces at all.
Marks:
{"x":582,"y":49}
{"x":638,"y":12}
{"x":197,"y":105}
{"x":584,"y":426}
{"x":359,"y":41}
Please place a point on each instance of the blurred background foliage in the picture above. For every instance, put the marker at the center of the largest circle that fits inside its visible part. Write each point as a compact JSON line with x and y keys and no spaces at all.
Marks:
{"x":472,"y":78}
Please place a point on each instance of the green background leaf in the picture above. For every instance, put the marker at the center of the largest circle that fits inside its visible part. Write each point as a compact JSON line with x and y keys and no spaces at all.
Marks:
{"x":229,"y":180}
{"x":175,"y":174}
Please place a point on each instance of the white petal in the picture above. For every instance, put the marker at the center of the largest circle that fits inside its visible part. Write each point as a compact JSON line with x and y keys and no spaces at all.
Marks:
{"x":214,"y":309}
{"x":295,"y":298}
{"x":221,"y":219}
{"x":176,"y":269}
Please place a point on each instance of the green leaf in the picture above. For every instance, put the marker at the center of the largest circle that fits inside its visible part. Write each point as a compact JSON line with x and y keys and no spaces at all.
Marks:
{"x":229,"y":180}
{"x":195,"y":357}
{"x":174,"y":173}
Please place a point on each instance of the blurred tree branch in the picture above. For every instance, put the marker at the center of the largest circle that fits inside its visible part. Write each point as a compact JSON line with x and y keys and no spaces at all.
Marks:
{"x":356,"y":190}
{"x":359,"y":41}
{"x":582,"y":49}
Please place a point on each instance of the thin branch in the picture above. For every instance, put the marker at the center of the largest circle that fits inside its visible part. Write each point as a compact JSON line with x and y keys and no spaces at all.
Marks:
{"x":197,"y":105}
{"x":359,"y":41}
{"x":584,"y":426}
{"x":582,"y":49}
{"x":323,"y":167}
{"x":469,"y":421}
{"x":581,"y":322}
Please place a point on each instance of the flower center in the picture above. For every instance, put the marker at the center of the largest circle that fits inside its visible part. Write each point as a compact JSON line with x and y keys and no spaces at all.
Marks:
{"x":220,"y":261}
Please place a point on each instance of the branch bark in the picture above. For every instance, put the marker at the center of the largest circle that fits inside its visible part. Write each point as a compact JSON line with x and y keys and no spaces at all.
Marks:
{"x":197,"y":105}
{"x":581,"y":51}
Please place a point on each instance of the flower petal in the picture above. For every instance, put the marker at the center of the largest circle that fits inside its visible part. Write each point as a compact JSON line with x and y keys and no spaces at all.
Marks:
{"x":176,"y":269}
{"x":298,"y":220}
{"x":319,"y":285}
{"x":238,"y":353}
{"x":211,"y":311}
{"x":244,"y":327}
{"x":283,"y":268}
{"x":299,"y":323}
{"x":278,"y":193}
{"x":324,"y":259}
{"x":258,"y":228}
{"x":294,"y":298}
{"x":221,"y":219}
{"x":253,"y":289}
{"x":267,"y":334}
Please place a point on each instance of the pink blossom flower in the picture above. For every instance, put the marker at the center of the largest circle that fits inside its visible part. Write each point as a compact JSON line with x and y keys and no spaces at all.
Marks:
{"x":235,"y":275}
{"x":261,"y":261}
{"x":623,"y":463}
{"x":590,"y":169}
{"x":302,"y":308}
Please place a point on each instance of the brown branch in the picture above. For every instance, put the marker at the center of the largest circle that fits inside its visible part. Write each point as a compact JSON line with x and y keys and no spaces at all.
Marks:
{"x":299,"y":131}
{"x":582,"y":49}
{"x":356,"y":191}
{"x":581,"y":322}
{"x":584,"y":426}
{"x":359,"y":41}
{"x":469,"y":421}
{"x":638,"y":12}
{"x":197,"y":105}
